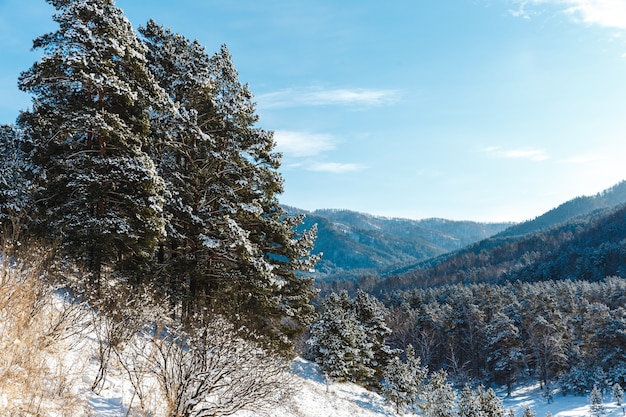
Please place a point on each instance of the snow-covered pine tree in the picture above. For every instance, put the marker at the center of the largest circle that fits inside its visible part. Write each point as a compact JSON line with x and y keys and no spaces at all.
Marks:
{"x":372,"y":314}
{"x":99,"y":191}
{"x":439,"y":398}
{"x":339,"y":343}
{"x":504,"y":345}
{"x":188,"y":159}
{"x":490,"y":404}
{"x":15,"y":186}
{"x":617,"y":393}
{"x":402,"y":381}
{"x":596,"y":403}
{"x":468,"y":403}
{"x":276,"y":287}
{"x":395,"y":384}
{"x":238,"y":248}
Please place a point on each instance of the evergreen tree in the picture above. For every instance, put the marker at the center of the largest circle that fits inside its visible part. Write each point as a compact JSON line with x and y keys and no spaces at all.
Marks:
{"x":98,"y":189}
{"x":339,"y":343}
{"x":490,"y":404}
{"x":469,"y":403}
{"x":596,"y":403}
{"x":402,"y":381}
{"x":439,"y":399}
{"x":229,"y":241}
{"x":504,"y":345}
{"x":15,"y":186}
{"x":372,"y":315}
{"x":617,"y":393}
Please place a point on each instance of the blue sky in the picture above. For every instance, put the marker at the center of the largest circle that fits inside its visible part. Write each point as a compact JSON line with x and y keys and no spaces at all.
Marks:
{"x":484,"y":110}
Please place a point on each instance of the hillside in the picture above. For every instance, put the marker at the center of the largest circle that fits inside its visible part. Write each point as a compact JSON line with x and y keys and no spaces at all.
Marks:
{"x":49,"y":367}
{"x":578,"y":206}
{"x":356,"y":243}
{"x":589,"y":246}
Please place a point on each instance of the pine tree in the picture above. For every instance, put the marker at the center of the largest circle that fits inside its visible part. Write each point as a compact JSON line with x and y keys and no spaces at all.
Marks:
{"x":402,"y":381}
{"x":15,"y":186}
{"x":339,"y":343}
{"x":229,"y":242}
{"x":469,"y":403}
{"x":99,"y":191}
{"x":439,"y":399}
{"x":617,"y":393}
{"x":504,"y":345}
{"x":596,"y":403}
{"x":490,"y":404}
{"x":372,"y":315}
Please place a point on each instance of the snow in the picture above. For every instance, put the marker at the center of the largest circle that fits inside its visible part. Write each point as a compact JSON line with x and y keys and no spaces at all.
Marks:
{"x":76,"y":358}
{"x":315,"y":397}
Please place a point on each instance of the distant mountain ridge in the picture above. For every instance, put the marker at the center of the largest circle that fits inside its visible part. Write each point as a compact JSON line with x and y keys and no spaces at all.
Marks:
{"x":584,"y":238}
{"x":578,"y":206}
{"x":355,"y":243}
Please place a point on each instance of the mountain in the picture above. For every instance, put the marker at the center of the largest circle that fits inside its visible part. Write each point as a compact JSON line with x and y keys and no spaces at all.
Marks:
{"x":355,"y":244}
{"x":584,"y":238}
{"x":576,"y":207}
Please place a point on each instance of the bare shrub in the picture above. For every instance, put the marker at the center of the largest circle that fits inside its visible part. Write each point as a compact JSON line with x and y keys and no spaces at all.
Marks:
{"x":210,"y":371}
{"x":36,"y":334}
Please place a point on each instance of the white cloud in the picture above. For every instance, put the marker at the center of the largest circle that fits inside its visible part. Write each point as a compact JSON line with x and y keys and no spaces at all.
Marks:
{"x":298,"y":97}
{"x":299,"y":144}
{"x":305,"y":148}
{"x":536,"y":155}
{"x":335,"y":167}
{"x":607,"y":13}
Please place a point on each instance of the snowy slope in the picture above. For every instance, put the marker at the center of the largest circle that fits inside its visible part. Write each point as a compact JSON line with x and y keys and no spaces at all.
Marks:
{"x":316,"y":398}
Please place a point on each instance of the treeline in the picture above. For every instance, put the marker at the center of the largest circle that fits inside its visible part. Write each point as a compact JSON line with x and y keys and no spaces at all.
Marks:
{"x":141,"y":164}
{"x":566,"y":334}
{"x":570,"y":334}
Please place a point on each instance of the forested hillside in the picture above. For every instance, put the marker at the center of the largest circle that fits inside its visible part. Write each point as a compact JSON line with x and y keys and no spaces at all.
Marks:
{"x":579,"y":206}
{"x":589,"y":246}
{"x":354,"y":243}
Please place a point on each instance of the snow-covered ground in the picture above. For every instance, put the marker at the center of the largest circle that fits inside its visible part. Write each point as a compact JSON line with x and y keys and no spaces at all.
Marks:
{"x":49,"y":361}
{"x":316,"y":398}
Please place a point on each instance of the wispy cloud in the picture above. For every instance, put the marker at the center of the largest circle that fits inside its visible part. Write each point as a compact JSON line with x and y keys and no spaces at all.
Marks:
{"x":530,"y":154}
{"x":299,"y":97}
{"x":335,"y":167}
{"x":300,"y":144}
{"x":607,"y":13}
{"x":305,"y":150}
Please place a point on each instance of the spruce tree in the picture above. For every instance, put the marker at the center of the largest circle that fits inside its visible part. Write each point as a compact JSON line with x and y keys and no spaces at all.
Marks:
{"x":490,"y":404}
{"x":469,"y":403}
{"x":339,"y":343}
{"x":99,"y":193}
{"x":504,"y":345}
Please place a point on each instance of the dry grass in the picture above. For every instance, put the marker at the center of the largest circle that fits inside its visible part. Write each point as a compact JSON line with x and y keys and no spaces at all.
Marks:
{"x":36,"y":330}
